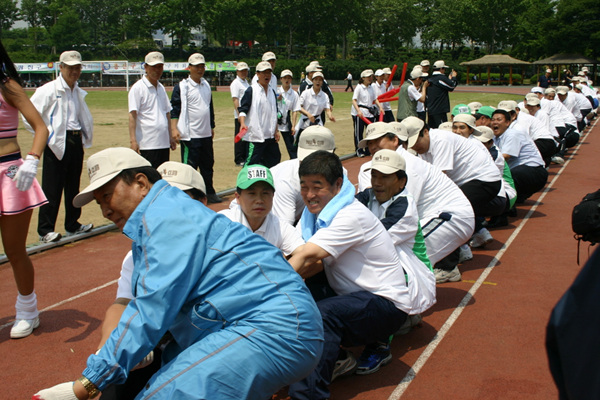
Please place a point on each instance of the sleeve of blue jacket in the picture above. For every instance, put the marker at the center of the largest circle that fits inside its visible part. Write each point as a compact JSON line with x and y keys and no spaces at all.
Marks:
{"x":167,"y":266}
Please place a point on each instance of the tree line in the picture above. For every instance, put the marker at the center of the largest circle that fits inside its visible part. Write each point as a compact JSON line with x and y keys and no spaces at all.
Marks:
{"x":329,"y":29}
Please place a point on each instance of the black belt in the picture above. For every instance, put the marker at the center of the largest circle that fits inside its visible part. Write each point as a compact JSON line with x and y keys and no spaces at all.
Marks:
{"x":10,"y":157}
{"x":74,"y":133}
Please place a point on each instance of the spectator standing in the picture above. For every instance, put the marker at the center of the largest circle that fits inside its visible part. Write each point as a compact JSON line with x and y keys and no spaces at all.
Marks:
{"x":413,"y":91}
{"x":348,"y":80}
{"x":150,"y":113}
{"x":438,"y":99}
{"x":193,"y":121}
{"x":61,"y":103}
{"x":237,"y":89}
{"x":289,"y":106}
{"x":545,"y":80}
{"x":364,"y":104}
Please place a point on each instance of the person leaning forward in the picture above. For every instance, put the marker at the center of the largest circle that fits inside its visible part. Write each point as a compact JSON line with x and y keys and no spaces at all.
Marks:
{"x":209,"y":283}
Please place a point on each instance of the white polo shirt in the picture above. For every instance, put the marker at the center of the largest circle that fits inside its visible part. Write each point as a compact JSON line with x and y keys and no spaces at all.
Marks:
{"x":463,"y":160}
{"x":279,"y":233}
{"x":364,"y":95}
{"x":519,"y":146}
{"x":314,"y":103}
{"x":237,"y":89}
{"x":124,"y":289}
{"x":291,"y":102}
{"x":542,"y":116}
{"x":198,"y":104}
{"x":152,"y":105}
{"x":532,"y":125}
{"x":361,"y":256}
{"x":379,"y":90}
{"x":572,"y":105}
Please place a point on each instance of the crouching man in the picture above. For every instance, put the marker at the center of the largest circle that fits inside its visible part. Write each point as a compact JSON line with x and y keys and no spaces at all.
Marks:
{"x":229,"y":299}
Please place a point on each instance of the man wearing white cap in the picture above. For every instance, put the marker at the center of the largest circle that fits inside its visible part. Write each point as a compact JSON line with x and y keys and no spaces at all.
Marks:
{"x":545,"y":81}
{"x":438,"y":100}
{"x":269,"y":57}
{"x":254,"y":194}
{"x":258,"y":116}
{"x":150,"y":131}
{"x":412,"y":92}
{"x":237,"y":89}
{"x":348,"y":79}
{"x":444,"y":212}
{"x":61,"y":103}
{"x":196,"y":276}
{"x":365,"y":105}
{"x":287,"y":202}
{"x":425,"y":65}
{"x":193,"y":120}
{"x":288,"y":104}
{"x":390,"y":201}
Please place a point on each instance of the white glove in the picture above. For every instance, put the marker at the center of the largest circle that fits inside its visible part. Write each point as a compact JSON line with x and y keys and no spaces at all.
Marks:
{"x":146,"y":361}
{"x":63,"y":391}
{"x":26,"y":173}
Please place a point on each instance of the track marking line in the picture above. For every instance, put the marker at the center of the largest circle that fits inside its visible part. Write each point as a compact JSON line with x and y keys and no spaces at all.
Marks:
{"x":424,"y":357}
{"x":60,"y":303}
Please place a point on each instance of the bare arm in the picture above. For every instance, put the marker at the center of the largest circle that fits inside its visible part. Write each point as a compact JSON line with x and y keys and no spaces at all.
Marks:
{"x":306,"y":259}
{"x":132,"y":140}
{"x":424,"y":91}
{"x":357,"y":108}
{"x":173,"y":137}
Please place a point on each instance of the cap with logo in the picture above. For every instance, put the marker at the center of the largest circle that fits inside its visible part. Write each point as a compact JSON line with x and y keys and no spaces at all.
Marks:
{"x":315,"y":138}
{"x":269,"y":55}
{"x":104,"y":166}
{"x":486,"y":111}
{"x":154,"y":58}
{"x":533,"y":101}
{"x":182,"y":176}
{"x":387,"y":162}
{"x":71,"y":57}
{"x":508,"y":105}
{"x":461,"y":109}
{"x":413,"y":126}
{"x":387,"y":71}
{"x":484,"y":134}
{"x":241,"y":66}
{"x":263,"y":66}
{"x":424,"y":63}
{"x":439,"y":64}
{"x":446,"y":126}
{"x":399,"y":130}
{"x":196,"y":59}
{"x":251,"y":174}
{"x":474,"y":106}
{"x":286,"y":72}
{"x":375,"y":131}
{"x":468,"y":120}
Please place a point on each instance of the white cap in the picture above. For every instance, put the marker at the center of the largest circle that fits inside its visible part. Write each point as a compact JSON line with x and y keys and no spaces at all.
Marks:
{"x":484,"y":134}
{"x":537,"y":89}
{"x":375,"y":131}
{"x":474,"y":106}
{"x":439,"y":64}
{"x":507,"y":105}
{"x":413,"y":126}
{"x":241,"y":66}
{"x":387,"y":162}
{"x":104,"y":166}
{"x":562,"y":90}
{"x":263,"y":66}
{"x":269,"y":55}
{"x":182,"y":176}
{"x":317,"y":74}
{"x":71,"y":57}
{"x":548,"y":71}
{"x":387,"y":71}
{"x":424,"y":63}
{"x":286,"y":72}
{"x":549,"y":91}
{"x":379,"y":72}
{"x":418,"y":73}
{"x":366,"y":72}
{"x":446,"y":126}
{"x":154,"y":58}
{"x":315,"y":138}
{"x":467,"y":119}
{"x":312,"y":68}
{"x":533,"y":101}
{"x":196,"y":59}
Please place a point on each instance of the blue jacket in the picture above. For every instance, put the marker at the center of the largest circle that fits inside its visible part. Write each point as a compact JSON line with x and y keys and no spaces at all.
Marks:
{"x":195,"y":273}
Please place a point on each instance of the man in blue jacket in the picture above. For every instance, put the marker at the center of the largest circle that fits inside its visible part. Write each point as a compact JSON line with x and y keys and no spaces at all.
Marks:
{"x":243,"y":322}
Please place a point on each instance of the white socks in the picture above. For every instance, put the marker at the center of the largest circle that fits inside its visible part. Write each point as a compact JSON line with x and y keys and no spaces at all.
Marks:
{"x":26,"y":306}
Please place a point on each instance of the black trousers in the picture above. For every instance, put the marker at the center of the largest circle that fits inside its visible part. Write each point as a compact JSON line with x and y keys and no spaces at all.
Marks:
{"x":292,"y":148}
{"x":359,"y":129}
{"x":484,"y":199}
{"x":199,"y":154}
{"x":435,"y":120}
{"x":349,"y":86}
{"x":266,"y":153}
{"x":60,"y":176}
{"x":547,"y":148}
{"x":240,"y":149}
{"x":388,"y":116}
{"x":156,"y":156}
{"x":528,"y":180}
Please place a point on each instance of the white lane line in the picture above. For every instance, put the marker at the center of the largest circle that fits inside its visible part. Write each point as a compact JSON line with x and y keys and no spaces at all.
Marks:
{"x":60,"y":303}
{"x":418,"y":365}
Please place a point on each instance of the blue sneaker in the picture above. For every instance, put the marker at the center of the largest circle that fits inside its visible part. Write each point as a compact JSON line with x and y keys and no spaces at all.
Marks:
{"x":372,"y":358}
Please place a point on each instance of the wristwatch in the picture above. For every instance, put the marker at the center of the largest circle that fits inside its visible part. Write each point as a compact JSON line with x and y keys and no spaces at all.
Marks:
{"x":89,"y":386}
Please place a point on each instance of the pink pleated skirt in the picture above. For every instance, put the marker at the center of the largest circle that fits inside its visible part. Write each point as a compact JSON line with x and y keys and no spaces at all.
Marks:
{"x":12,"y":200}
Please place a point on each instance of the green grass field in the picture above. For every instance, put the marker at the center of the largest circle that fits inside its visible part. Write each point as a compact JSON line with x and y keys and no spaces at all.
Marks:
{"x":109,"y":109}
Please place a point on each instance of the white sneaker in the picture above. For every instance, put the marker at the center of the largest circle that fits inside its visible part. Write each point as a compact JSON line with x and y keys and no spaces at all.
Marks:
{"x":24,"y":327}
{"x":557,"y":160}
{"x":82,"y":229}
{"x":50,"y":237}
{"x":442,"y":276}
{"x":411,"y":322}
{"x":481,"y":238}
{"x":465,"y":254}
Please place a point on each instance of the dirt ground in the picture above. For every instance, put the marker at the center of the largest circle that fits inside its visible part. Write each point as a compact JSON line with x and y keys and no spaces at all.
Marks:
{"x":109,"y":109}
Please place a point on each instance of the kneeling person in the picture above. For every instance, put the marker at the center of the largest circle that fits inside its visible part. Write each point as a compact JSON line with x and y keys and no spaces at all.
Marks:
{"x":254,"y":195}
